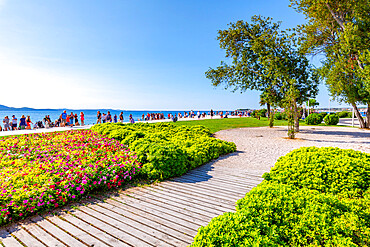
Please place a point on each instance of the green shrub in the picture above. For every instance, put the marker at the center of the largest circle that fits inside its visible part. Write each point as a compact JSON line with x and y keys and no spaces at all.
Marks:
{"x":311,"y":197}
{"x":263,"y":112}
{"x":166,"y":150}
{"x":344,"y":114}
{"x":256,"y":113}
{"x":278,"y":116}
{"x":313,"y":119}
{"x":280,"y":215}
{"x":323,"y":114}
{"x":331,"y":119}
{"x":343,"y":172}
{"x":284,"y":115}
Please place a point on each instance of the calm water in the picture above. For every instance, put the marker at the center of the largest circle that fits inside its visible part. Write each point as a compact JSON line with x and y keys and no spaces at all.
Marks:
{"x":90,"y":115}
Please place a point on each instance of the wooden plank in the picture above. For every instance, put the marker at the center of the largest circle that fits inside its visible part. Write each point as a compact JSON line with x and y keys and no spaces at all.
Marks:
{"x":202,"y":189}
{"x":162,"y":225}
{"x":229,"y":178}
{"x":196,"y":192}
{"x":99,"y":234}
{"x":232,"y":172}
{"x":8,"y":240}
{"x":225,"y":179}
{"x":187,"y":226}
{"x":77,"y":233}
{"x":26,"y":238}
{"x":211,"y":191}
{"x":113,"y":231}
{"x":220,"y":186}
{"x":56,"y":232}
{"x":158,"y":231}
{"x":225,"y":205}
{"x":193,"y":198}
{"x":217,"y":186}
{"x":164,"y":211}
{"x":212,"y":210}
{"x":125,"y":227}
{"x":42,"y":235}
{"x":216,"y":189}
{"x":196,"y":214}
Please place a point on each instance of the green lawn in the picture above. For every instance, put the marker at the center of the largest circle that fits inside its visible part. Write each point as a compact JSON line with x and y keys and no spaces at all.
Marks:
{"x":231,"y":123}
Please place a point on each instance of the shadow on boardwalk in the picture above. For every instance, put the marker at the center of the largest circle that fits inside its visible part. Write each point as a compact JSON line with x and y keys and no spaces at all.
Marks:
{"x":203,"y":173}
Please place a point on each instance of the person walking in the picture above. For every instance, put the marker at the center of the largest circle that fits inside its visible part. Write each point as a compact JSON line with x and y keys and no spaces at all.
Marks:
{"x":121,"y":117}
{"x":98,"y":116}
{"x":109,"y":117}
{"x":71,"y":118}
{"x":22,"y":122}
{"x":82,"y":117}
{"x":64,"y":118}
{"x":115,"y":118}
{"x":14,"y":122}
{"x":6,"y":123}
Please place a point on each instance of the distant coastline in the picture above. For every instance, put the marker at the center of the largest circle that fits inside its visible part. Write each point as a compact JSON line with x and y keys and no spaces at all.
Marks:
{"x":9,"y":108}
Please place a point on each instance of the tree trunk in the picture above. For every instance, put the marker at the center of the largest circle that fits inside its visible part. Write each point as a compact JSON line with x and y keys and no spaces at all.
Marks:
{"x":368,"y":116}
{"x":268,"y":110}
{"x":358,"y":115}
{"x":296,"y":117}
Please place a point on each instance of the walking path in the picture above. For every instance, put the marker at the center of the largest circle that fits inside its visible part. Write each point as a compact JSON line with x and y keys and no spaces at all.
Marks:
{"x":169,"y":213}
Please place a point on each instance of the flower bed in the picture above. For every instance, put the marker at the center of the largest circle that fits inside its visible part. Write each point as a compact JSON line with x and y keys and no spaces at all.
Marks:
{"x":44,"y":171}
{"x":167,"y":150}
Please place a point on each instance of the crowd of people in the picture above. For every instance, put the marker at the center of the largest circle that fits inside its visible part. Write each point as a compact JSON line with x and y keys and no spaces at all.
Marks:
{"x":73,"y":119}
{"x":64,"y":120}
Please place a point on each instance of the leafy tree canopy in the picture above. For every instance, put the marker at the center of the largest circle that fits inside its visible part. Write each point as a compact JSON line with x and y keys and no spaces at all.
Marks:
{"x":264,"y":58}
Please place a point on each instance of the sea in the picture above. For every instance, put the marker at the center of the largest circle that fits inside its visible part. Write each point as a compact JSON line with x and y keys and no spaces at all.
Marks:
{"x":90,"y":115}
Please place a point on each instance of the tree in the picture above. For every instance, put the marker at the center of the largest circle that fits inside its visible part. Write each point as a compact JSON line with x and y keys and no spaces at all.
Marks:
{"x":340,"y":30}
{"x":264,"y":58}
{"x":312,"y":103}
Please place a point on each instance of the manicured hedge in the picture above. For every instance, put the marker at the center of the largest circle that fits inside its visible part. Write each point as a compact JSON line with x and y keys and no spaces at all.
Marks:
{"x":314,"y":119}
{"x":280,"y":215}
{"x":166,"y":150}
{"x":344,"y":114}
{"x":337,"y":171}
{"x":331,"y":119}
{"x":311,"y":197}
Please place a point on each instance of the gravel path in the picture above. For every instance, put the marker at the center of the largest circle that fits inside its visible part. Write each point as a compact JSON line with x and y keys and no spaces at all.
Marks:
{"x":259,"y":148}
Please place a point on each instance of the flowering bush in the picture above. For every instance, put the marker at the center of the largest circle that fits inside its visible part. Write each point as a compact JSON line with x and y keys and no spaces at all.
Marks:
{"x":44,"y":171}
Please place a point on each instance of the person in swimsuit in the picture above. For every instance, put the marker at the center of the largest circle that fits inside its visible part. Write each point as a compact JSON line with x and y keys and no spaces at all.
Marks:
{"x":28,"y":122}
{"x":76,"y":120}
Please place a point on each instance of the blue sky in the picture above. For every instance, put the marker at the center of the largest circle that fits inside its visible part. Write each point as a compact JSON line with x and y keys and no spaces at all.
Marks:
{"x":128,"y":54}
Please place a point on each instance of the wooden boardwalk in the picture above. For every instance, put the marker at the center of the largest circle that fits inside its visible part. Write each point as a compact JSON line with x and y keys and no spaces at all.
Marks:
{"x":166,"y":214}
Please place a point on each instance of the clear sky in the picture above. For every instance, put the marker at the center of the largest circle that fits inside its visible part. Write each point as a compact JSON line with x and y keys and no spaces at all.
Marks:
{"x":124,"y":54}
